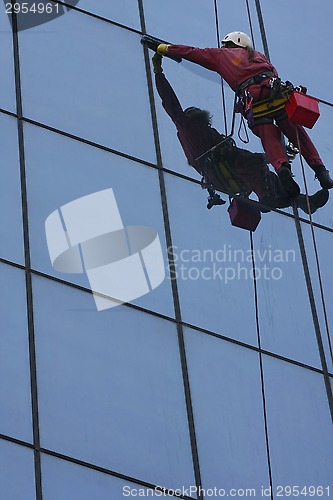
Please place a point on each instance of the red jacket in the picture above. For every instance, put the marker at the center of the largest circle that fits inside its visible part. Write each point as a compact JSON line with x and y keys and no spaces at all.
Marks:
{"x":194,"y":138}
{"x":197,"y":140}
{"x":232,"y":64}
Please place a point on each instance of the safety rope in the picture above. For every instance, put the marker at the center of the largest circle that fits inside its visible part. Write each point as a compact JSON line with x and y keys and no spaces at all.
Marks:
{"x":315,"y":249}
{"x":242,"y":124}
{"x":262,"y":379}
{"x":262,"y":29}
{"x":250,"y":23}
{"x":222,"y":81}
{"x":218,"y":35}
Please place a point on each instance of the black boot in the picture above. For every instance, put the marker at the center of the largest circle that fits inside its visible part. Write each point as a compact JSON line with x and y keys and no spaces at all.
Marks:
{"x":286,"y":178}
{"x":323,"y":177}
{"x":317,"y":200}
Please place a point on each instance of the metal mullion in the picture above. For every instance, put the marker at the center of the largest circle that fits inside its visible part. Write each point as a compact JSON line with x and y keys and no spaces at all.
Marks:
{"x":110,"y":472}
{"x":149,"y":164}
{"x":181,"y":341}
{"x":28,"y":279}
{"x":88,"y":465}
{"x":183,"y":323}
{"x":13,"y":440}
{"x":142,"y":162}
{"x":173,"y":320}
{"x":314,"y":312}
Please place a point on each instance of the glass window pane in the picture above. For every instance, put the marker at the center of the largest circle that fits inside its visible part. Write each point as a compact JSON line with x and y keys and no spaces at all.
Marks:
{"x":15,"y":405}
{"x":324,"y":244}
{"x":286,"y":325}
{"x":66,"y":481}
{"x":121,"y":11}
{"x":11,"y":240}
{"x":17,"y":474}
{"x":60,"y":170}
{"x":299,"y":425}
{"x":7,"y":80}
{"x":110,"y":387}
{"x":78,"y":76}
{"x":213,"y":262}
{"x":295,"y":67}
{"x":168,"y":21}
{"x":228,"y":412}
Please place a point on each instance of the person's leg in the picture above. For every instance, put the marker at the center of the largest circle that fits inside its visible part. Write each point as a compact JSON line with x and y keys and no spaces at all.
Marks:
{"x":276,"y":196}
{"x":271,"y":139}
{"x":296,"y":132}
{"x":307,"y":148}
{"x":317,"y":200}
{"x":250,"y":167}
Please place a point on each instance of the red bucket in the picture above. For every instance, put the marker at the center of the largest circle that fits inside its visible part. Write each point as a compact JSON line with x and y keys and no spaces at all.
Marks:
{"x":244,"y":215}
{"x":303,"y":109}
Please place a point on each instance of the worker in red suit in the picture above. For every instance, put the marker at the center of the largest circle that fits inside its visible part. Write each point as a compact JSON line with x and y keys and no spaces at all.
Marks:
{"x":244,"y":68}
{"x":197,"y":136}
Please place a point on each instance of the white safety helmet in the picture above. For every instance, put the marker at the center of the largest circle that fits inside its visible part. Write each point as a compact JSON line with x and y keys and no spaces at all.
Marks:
{"x":238,"y":38}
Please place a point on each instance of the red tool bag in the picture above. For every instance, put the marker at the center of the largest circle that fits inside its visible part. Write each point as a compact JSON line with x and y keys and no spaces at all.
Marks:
{"x":302,"y":109}
{"x":244,"y":214}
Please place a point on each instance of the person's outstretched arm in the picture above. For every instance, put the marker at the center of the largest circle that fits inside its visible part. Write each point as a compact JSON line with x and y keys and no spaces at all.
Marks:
{"x":168,"y":97}
{"x":208,"y":58}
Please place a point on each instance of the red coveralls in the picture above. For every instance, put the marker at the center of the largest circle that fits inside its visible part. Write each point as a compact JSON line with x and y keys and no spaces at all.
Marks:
{"x":235,"y":67}
{"x":197,"y":139}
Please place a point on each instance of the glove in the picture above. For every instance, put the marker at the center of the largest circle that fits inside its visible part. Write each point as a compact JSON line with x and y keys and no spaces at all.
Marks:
{"x":157,"y":63}
{"x":162,"y":48}
{"x":158,"y":46}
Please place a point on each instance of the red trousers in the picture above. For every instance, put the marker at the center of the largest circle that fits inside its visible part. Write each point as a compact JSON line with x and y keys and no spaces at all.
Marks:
{"x":271,"y":136}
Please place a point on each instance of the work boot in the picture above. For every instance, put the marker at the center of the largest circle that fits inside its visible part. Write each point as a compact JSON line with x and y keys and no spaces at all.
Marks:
{"x":286,"y":178}
{"x":317,"y":200}
{"x":323,"y":177}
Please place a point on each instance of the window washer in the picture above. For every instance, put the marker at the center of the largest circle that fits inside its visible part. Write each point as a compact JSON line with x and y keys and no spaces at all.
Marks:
{"x":197,"y":136}
{"x":253,"y":77}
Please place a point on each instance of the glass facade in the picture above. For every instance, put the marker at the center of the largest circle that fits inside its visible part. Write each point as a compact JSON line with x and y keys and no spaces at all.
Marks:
{"x":214,"y":381}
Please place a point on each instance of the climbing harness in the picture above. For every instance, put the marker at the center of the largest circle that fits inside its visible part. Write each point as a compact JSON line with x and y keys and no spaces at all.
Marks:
{"x":270,"y":105}
{"x":257,"y":113}
{"x":213,"y":163}
{"x":284,"y":101}
{"x":256,"y":79}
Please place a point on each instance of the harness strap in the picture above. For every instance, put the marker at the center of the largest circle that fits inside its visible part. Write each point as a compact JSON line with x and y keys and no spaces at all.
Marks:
{"x":267,"y":107}
{"x":226,"y":177}
{"x":215,"y":162}
{"x":256,"y":79}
